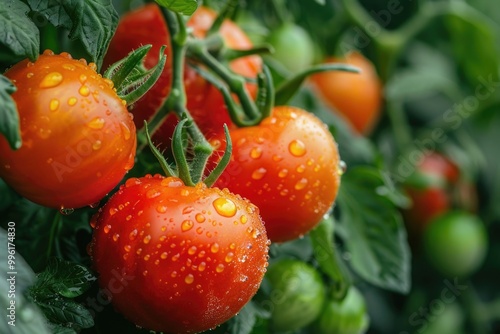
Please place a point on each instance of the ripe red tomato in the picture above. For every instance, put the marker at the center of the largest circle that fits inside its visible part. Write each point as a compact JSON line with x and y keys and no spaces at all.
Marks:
{"x":288,"y":166}
{"x":78,"y":137}
{"x":356,"y":96}
{"x":439,"y":188}
{"x":175,"y":258}
{"x":135,"y":29}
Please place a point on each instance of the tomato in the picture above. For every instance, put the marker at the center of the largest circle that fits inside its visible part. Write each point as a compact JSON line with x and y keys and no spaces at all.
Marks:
{"x":355,"y":96}
{"x":204,"y":101}
{"x":78,"y":137}
{"x":348,"y":316}
{"x":297,"y":294}
{"x":288,"y":166}
{"x":293,"y":47}
{"x":178,"y":259}
{"x":456,"y":243}
{"x":438,"y":188}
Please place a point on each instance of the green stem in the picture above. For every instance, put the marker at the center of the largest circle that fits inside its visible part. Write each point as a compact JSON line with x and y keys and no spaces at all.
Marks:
{"x":475,"y":310}
{"x":54,"y":230}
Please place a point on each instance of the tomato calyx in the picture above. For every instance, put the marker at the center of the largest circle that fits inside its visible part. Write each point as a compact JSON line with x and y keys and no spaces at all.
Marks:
{"x":130,"y":78}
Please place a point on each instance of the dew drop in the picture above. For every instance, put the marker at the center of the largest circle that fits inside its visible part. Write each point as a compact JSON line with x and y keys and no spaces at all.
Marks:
{"x":132,"y":182}
{"x":284,"y":192}
{"x":138,"y":251}
{"x":97,"y":123}
{"x":192,"y":250}
{"x":30,"y":75}
{"x":277,"y":158}
{"x":164,"y":255}
{"x":308,"y":195}
{"x":202,"y":266}
{"x":145,"y":273}
{"x":176,"y":257}
{"x":301,"y":184}
{"x":54,"y":104}
{"x":229,"y":257}
{"x":161,"y":209}
{"x":300,"y":168}
{"x":283,"y":173}
{"x":219,"y":268}
{"x":297,"y":148}
{"x":256,"y":152}
{"x":187,"y":210}
{"x":199,"y":218}
{"x":84,"y":91}
{"x":52,"y":79}
{"x":132,"y":235}
{"x":162,"y":239}
{"x":96,"y":145}
{"x":189,"y":279}
{"x":146,"y":239}
{"x":125,"y":130}
{"x":243,"y":219}
{"x":147,"y":257}
{"x":69,"y":67}
{"x":259,"y":173}
{"x":342,"y":167}
{"x":232,"y":246}
{"x":199,"y":230}
{"x":187,"y":225}
{"x":72,"y":101}
{"x":214,"y":248}
{"x":173,"y":274}
{"x":83,"y":78}
{"x":127,"y":248}
{"x":116,"y":236}
{"x":107,"y":228}
{"x":225,"y":207}
{"x":152,"y":193}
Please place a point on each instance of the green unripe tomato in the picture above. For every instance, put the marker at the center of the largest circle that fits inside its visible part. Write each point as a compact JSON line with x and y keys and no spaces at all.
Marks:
{"x":297,"y":294}
{"x":293,"y":47}
{"x":456,"y":243}
{"x":348,"y":316}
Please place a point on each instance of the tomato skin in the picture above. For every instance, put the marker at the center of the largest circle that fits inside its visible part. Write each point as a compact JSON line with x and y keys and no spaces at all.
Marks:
{"x":293,"y":47}
{"x":192,"y":257}
{"x":348,"y":316}
{"x":79,"y":139}
{"x":288,"y":166}
{"x":443,"y":190}
{"x":204,"y":101}
{"x":355,"y":96}
{"x":456,"y":243}
{"x":300,"y":294}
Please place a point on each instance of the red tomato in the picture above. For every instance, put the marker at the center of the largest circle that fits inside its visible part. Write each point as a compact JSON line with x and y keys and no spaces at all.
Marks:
{"x":356,"y":96}
{"x":78,"y":137}
{"x":205,"y":102}
{"x":175,"y":258}
{"x":288,"y":166}
{"x":443,"y":190}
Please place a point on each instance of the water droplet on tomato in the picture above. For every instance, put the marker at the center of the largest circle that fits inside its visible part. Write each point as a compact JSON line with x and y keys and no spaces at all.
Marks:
{"x":127,"y":248}
{"x":69,"y":67}
{"x":82,"y":78}
{"x":145,"y":273}
{"x":187,"y":210}
{"x":229,"y":257}
{"x":30,"y":75}
{"x":232,"y":246}
{"x":52,"y":79}
{"x":96,"y":145}
{"x":116,"y":236}
{"x":301,"y":184}
{"x":224,"y":207}
{"x":300,"y":168}
{"x":97,"y":123}
{"x":164,"y":255}
{"x":297,"y":148}
{"x":220,"y":268}
{"x":243,"y":219}
{"x":187,"y":225}
{"x":112,"y":211}
{"x":107,"y":228}
{"x":72,"y":101}
{"x":189,"y":279}
{"x":259,"y":173}
{"x":284,"y":192}
{"x":146,"y":239}
{"x":93,"y":66}
{"x":152,"y":193}
{"x":176,"y":257}
{"x":147,"y":257}
{"x":199,"y":218}
{"x":342,"y":167}
{"x":256,"y":152}
{"x":44,"y":133}
{"x":54,"y":104}
{"x":192,"y":250}
{"x":161,"y":209}
{"x":109,"y":83}
{"x":308,"y":195}
{"x":214,"y":248}
{"x":125,"y":130}
{"x":138,"y":251}
{"x":199,"y":230}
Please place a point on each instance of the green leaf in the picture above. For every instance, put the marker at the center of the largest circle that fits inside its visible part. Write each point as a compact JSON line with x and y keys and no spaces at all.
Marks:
{"x":28,"y":318}
{"x":327,"y":257}
{"x":92,"y":22}
{"x":9,"y":118}
{"x":64,"y":278}
{"x":245,"y":320}
{"x":17,"y":31}
{"x":185,"y":7}
{"x":375,"y":235}
{"x":474,"y":43}
{"x":287,"y":89}
{"x":63,"y":311}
